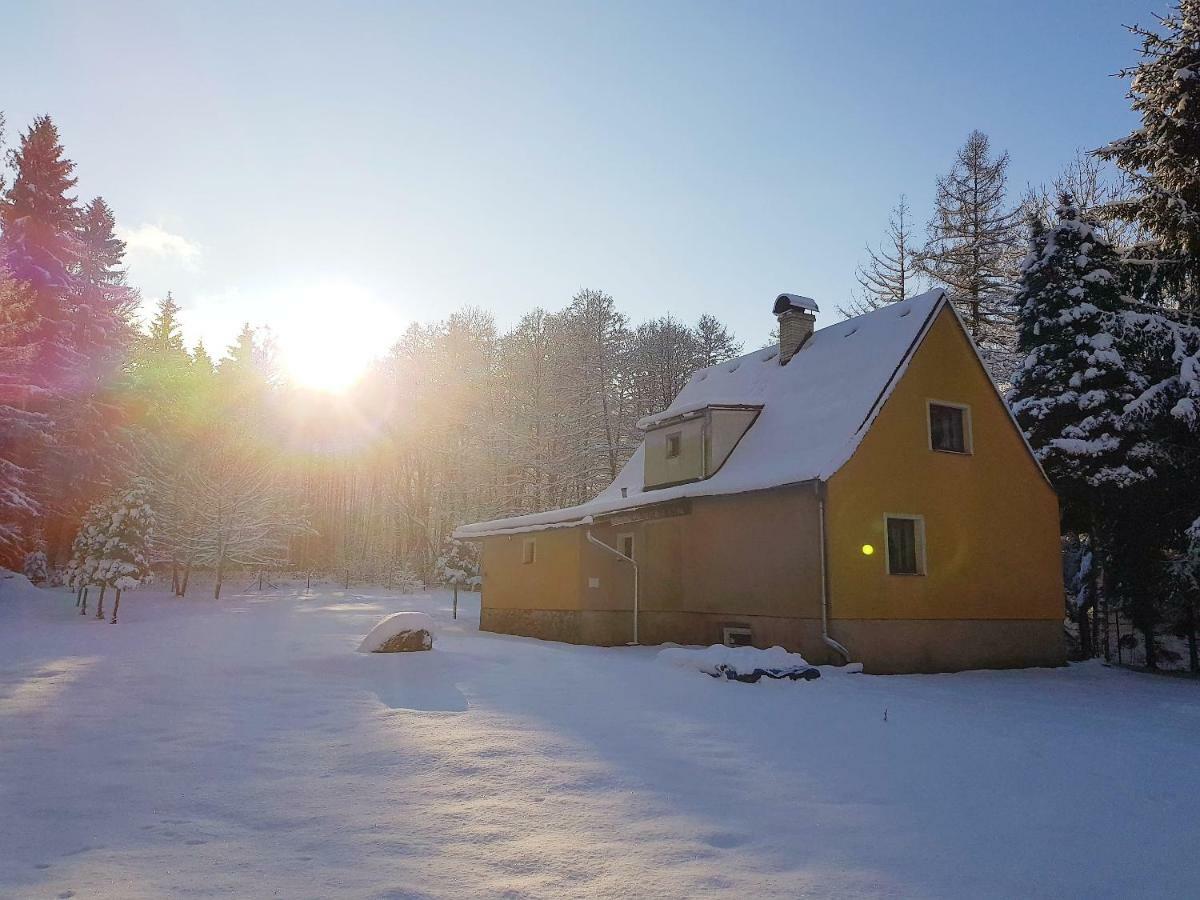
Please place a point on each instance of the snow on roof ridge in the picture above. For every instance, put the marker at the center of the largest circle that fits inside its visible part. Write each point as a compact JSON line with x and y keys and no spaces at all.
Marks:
{"x":817,"y":407}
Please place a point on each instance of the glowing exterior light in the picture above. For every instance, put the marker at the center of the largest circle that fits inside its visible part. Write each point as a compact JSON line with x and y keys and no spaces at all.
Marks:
{"x":868,"y":550}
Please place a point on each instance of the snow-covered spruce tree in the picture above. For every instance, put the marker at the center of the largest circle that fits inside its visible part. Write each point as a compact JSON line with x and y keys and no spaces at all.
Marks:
{"x":458,"y":565}
{"x":1183,"y":596}
{"x":24,"y":432}
{"x":1070,"y":391}
{"x":973,"y":248}
{"x":35,"y":567}
{"x":85,"y":553}
{"x":1160,"y":158}
{"x":891,"y":272}
{"x":123,"y":548}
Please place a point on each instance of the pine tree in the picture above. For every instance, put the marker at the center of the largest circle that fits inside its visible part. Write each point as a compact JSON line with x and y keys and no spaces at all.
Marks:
{"x":891,"y":272}
{"x":973,"y":248}
{"x":1070,"y":392}
{"x":1159,"y":157}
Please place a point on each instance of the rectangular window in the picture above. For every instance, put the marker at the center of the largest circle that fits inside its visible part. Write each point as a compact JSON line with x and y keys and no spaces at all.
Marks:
{"x":673,"y":445}
{"x":949,"y":428}
{"x":905,"y":545}
{"x":625,"y":544}
{"x":528,"y":551}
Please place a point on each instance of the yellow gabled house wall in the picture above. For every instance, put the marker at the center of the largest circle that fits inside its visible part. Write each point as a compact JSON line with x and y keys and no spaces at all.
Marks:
{"x":990,"y":519}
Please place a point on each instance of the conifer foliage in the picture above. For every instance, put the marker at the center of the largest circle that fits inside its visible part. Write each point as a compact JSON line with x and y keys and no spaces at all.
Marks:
{"x":1070,"y":392}
{"x":1160,"y":158}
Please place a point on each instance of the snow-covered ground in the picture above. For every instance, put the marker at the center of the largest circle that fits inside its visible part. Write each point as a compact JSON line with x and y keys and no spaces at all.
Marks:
{"x":242,"y":748}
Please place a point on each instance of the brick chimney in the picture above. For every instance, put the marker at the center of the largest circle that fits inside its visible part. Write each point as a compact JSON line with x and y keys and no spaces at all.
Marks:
{"x":797,"y":316}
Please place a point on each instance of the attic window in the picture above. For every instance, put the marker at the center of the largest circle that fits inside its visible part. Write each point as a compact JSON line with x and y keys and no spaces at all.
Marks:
{"x":949,"y":427}
{"x":673,"y":443}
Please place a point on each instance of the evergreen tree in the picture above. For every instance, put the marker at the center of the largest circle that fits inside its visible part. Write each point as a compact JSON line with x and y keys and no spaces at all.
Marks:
{"x":1159,"y":157}
{"x":891,"y":272}
{"x":1070,"y":392}
{"x":24,"y":431}
{"x":973,"y":248}
{"x":39,"y":247}
{"x":119,"y":543}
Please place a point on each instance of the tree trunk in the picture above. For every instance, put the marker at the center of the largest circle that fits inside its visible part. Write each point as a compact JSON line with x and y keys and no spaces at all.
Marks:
{"x":455,"y":614}
{"x":116,"y":606}
{"x":187,"y":574}
{"x":174,"y":575}
{"x":79,"y":595}
{"x":260,"y":580}
{"x":83,"y":605}
{"x":1151,"y":655}
{"x":100,"y":602}
{"x":220,"y":578}
{"x":1085,"y":631}
{"x":1193,"y":649}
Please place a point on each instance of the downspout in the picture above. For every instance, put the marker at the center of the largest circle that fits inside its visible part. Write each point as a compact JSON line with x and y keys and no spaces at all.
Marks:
{"x":615,"y":552}
{"x":819,"y":487}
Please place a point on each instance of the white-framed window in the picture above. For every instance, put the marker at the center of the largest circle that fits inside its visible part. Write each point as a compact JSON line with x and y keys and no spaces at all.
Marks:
{"x":529,"y":551}
{"x":949,"y":426}
{"x":674,"y":441}
{"x":904,"y":544}
{"x":625,"y":544}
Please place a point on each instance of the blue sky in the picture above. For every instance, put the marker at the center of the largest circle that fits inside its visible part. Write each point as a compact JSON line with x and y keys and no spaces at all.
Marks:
{"x":338,"y":170}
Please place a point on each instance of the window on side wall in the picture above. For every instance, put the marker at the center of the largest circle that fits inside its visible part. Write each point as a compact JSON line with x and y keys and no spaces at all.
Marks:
{"x":949,"y":427}
{"x":673,"y":444}
{"x":528,"y":551}
{"x":905,"y":537}
{"x":625,"y":544}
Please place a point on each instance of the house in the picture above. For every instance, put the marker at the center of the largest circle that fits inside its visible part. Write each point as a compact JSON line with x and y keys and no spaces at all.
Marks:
{"x":856,"y":493}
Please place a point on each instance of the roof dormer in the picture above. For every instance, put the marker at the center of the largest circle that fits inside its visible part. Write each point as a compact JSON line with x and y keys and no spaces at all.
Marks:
{"x":691,"y":444}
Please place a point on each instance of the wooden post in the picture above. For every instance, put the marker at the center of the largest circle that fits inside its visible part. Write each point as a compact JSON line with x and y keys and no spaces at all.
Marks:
{"x":260,"y":580}
{"x":116,"y":606}
{"x":308,"y":582}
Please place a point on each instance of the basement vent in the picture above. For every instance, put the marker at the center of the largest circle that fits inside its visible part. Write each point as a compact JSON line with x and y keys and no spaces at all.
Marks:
{"x":737,"y":636}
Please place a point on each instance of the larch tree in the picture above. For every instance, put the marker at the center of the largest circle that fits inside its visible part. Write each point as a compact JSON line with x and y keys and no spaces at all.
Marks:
{"x":716,"y":344}
{"x":891,"y":272}
{"x":973,"y":248}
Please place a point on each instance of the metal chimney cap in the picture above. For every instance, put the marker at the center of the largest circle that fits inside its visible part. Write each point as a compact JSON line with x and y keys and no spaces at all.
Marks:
{"x":784,"y":302}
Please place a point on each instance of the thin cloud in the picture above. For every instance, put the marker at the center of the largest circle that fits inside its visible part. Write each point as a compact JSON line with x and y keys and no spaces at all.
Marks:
{"x":152,"y":242}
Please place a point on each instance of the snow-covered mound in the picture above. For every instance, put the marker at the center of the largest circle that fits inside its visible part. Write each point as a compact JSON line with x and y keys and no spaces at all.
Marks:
{"x":742,"y":663}
{"x":396,"y":626}
{"x":14,"y":584}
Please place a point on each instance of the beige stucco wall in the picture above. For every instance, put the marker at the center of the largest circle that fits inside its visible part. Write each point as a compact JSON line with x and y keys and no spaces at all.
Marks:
{"x":726,"y":427}
{"x":687,"y":466}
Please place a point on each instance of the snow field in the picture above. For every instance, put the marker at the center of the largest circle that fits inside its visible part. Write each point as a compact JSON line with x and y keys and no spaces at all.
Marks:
{"x":242,"y":748}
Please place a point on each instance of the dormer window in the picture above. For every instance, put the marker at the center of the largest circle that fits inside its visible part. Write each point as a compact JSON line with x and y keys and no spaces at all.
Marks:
{"x":949,"y":427}
{"x":673,"y":444}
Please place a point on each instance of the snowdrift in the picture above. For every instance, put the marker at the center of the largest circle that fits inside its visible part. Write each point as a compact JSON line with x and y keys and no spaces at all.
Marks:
{"x":744,"y":663}
{"x":14,"y":585}
{"x":399,"y":632}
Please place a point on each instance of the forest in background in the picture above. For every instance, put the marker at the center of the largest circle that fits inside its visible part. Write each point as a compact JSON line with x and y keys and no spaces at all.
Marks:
{"x":1081,"y":295}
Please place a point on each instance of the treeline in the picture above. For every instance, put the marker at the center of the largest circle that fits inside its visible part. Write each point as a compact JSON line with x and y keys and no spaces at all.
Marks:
{"x":243,"y":471}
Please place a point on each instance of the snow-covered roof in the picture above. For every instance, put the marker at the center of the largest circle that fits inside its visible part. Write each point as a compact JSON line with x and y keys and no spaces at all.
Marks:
{"x":815,"y":411}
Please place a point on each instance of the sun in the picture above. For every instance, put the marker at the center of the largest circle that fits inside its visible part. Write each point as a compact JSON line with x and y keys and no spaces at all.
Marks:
{"x":331,"y":334}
